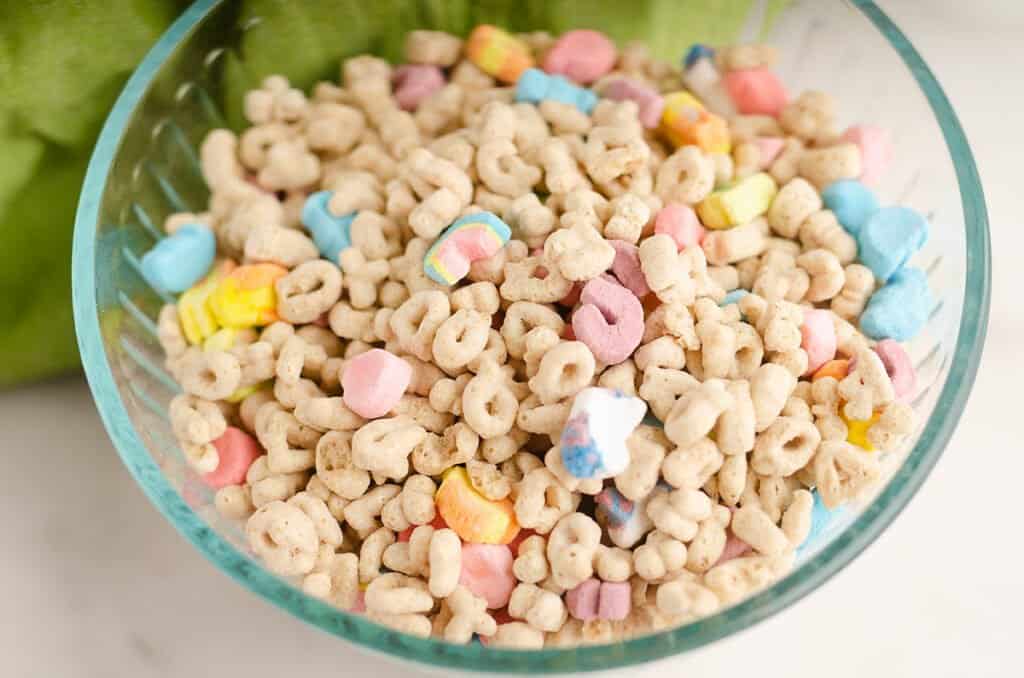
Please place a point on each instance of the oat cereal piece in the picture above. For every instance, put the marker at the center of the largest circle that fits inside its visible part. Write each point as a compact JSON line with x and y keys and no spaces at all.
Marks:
{"x":284,"y":537}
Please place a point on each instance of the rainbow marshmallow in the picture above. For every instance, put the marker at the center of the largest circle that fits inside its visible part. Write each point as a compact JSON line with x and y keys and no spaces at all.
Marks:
{"x":471,"y":238}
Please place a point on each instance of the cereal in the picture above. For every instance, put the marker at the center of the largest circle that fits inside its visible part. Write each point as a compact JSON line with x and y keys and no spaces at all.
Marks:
{"x":809,"y":116}
{"x":284,"y":537}
{"x":444,"y":188}
{"x":469,"y":616}
{"x":541,"y":609}
{"x":432,"y":47}
{"x":428,"y":308}
{"x":858,"y":285}
{"x":722,"y":247}
{"x":571,"y":548}
{"x":542,"y":501}
{"x":821,"y":230}
{"x":687,"y":176}
{"x":825,"y":166}
{"x":579,"y":253}
{"x":308,"y":291}
{"x":659,"y":557}
{"x":841,"y":471}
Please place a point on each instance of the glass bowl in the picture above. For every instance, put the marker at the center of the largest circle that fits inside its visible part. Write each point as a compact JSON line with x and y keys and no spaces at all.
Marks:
{"x":145,"y":167}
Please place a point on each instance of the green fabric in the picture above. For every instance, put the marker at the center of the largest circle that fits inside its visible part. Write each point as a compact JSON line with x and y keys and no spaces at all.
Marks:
{"x":62,"y":64}
{"x":61,"y":67}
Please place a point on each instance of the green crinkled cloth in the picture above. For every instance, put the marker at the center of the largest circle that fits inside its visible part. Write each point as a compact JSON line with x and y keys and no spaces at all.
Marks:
{"x":62,"y":65}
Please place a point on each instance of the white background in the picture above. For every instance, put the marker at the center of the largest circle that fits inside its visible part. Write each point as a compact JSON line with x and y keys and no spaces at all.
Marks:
{"x":93,"y":582}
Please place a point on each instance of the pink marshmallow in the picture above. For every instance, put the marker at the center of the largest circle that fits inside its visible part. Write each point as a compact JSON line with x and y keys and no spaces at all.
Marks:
{"x":819,"y":339}
{"x":581,"y":55}
{"x":898,"y":366}
{"x":756,"y":91}
{"x":769,"y":149}
{"x":487,"y":572}
{"x":734,"y":548}
{"x":583,"y":600}
{"x":374,"y":382}
{"x":626,"y":267}
{"x":650,"y":103}
{"x":875,"y":150}
{"x":680,"y":223}
{"x":614,"y":600}
{"x":414,"y":83}
{"x":237,"y":450}
{"x":610,"y":321}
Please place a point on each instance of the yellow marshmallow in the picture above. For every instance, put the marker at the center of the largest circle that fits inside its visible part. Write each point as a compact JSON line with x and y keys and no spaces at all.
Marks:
{"x":475,"y":518}
{"x":857,"y":431}
{"x":197,"y":319}
{"x":738,"y":203}
{"x":685,"y":122}
{"x":221,"y":340}
{"x":246,"y":297}
{"x":245,"y":391}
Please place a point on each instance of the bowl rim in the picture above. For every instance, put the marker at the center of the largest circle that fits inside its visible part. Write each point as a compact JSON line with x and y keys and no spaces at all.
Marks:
{"x":354,"y":628}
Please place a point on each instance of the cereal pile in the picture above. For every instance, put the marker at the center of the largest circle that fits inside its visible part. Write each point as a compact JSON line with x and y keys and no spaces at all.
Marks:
{"x":537,"y":340}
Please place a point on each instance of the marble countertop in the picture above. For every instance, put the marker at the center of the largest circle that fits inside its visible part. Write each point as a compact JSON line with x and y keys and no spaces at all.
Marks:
{"x":95,"y":583}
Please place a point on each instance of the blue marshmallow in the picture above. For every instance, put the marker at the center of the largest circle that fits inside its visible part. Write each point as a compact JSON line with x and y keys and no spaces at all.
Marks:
{"x":823,"y":523}
{"x":899,"y":309}
{"x":331,"y":233}
{"x":535,"y":86}
{"x":696,"y":53}
{"x":889,"y":238}
{"x":852,"y":202}
{"x":733,"y":297}
{"x":180,"y":260}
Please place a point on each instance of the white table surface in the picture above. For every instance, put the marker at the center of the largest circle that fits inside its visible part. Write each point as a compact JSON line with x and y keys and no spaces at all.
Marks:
{"x":94,"y":582}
